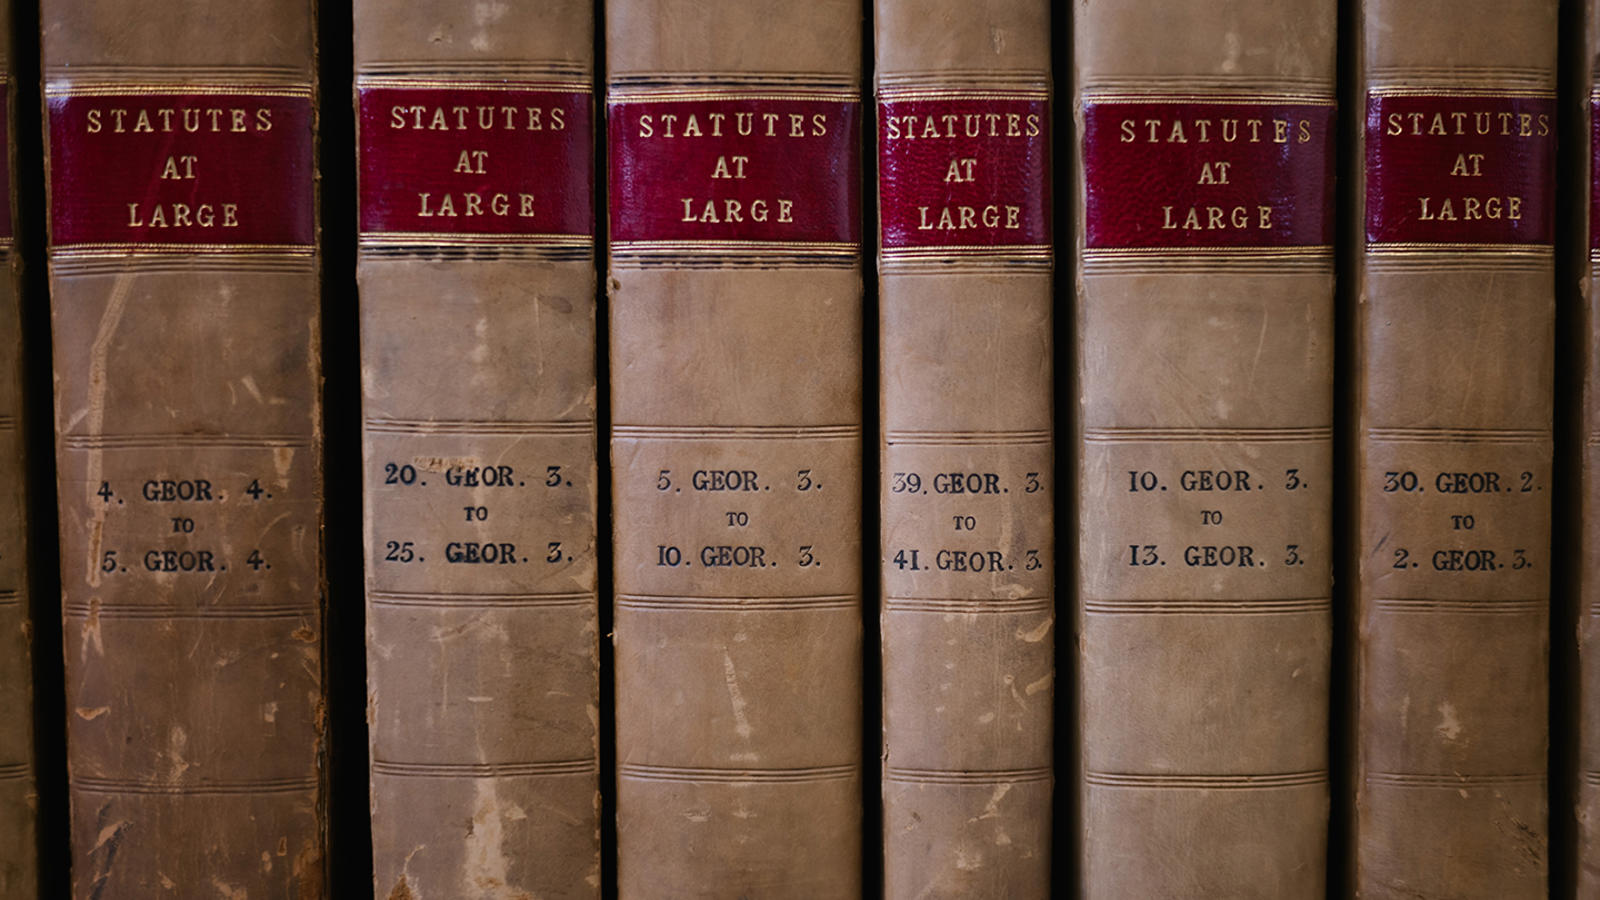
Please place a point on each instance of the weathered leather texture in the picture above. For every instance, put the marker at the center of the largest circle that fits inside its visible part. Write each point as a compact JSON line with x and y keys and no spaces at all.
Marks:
{"x":1587,"y":539}
{"x":967,"y":545}
{"x":1454,"y":348}
{"x":18,"y":805}
{"x":737,"y":610}
{"x":478,"y":360}
{"x":1204,"y":359}
{"x":188,"y":425}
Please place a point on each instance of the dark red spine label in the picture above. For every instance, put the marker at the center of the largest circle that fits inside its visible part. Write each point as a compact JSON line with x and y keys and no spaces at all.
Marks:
{"x":964,"y":172}
{"x":757,"y":168}
{"x":476,"y":160}
{"x":201,"y":170}
{"x":1457,"y":169}
{"x":1594,"y":172}
{"x":1213,"y":174}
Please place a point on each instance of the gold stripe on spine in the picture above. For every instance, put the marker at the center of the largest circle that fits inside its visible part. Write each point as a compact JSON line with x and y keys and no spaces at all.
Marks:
{"x":423,"y":81}
{"x":113,"y":88}
{"x":721,"y":247}
{"x":113,"y":251}
{"x":514,"y":69}
{"x":446,"y":239}
{"x":1254,"y":99}
{"x":1542,"y":251}
{"x":1399,"y":90}
{"x":890,"y":94}
{"x":617,"y":96}
{"x":1206,"y":85}
{"x":1206,"y":260}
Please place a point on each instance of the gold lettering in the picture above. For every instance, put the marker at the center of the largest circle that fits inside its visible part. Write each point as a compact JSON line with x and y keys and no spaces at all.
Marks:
{"x":961,"y":170}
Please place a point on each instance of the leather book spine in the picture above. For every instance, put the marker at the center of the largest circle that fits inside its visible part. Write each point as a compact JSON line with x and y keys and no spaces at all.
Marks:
{"x":1454,"y":284}
{"x":1585,"y":541}
{"x":1204,"y":370}
{"x":183,"y":263}
{"x":736,"y":445}
{"x":476,"y":270}
{"x":18,"y":801}
{"x":967,"y":547}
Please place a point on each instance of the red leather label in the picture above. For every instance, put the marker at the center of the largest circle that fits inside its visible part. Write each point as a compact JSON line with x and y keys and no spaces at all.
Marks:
{"x":1594,"y":173}
{"x":754,"y":168}
{"x":964,"y":172}
{"x":199,"y":170}
{"x":1447,"y":169}
{"x":507,"y":161}
{"x":1214,"y":174}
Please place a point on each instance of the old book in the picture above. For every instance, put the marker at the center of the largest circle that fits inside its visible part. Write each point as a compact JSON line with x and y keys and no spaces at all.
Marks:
{"x":735,"y":292}
{"x":476,"y":270}
{"x":1582,"y":534}
{"x":1204,"y":373}
{"x":18,"y":803}
{"x":1454,"y":288}
{"x":967,"y":542}
{"x":184,"y":294}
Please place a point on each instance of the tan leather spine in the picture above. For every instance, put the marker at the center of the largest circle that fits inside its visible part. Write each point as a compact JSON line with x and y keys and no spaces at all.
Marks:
{"x":1587,"y":433}
{"x":1453,"y":374}
{"x":1204,"y":690}
{"x":483,"y":679}
{"x":18,"y":801}
{"x":738,"y":691}
{"x":966,"y":358}
{"x":195,"y":702}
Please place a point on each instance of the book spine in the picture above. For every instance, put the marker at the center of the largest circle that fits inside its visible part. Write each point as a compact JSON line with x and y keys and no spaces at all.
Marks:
{"x":1586,"y":539}
{"x":1452,"y":476}
{"x":477,"y":279}
{"x":736,"y":442}
{"x":18,"y":801}
{"x":183,"y":257}
{"x":1204,"y":374}
{"x":967,"y":545}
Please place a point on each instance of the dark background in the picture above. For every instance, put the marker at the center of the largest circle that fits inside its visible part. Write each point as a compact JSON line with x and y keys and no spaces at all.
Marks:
{"x":349,"y":845}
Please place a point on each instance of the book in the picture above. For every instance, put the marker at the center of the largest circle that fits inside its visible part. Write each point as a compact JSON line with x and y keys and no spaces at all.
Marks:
{"x":1204,"y":372}
{"x":967,"y":543}
{"x":1453,"y":284}
{"x":476,"y":268}
{"x":1578,"y":535}
{"x":734,"y":133}
{"x":183,"y":260}
{"x":18,"y":799}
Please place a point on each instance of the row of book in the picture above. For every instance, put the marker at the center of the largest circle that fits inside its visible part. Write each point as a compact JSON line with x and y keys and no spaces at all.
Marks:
{"x":1201,"y":574}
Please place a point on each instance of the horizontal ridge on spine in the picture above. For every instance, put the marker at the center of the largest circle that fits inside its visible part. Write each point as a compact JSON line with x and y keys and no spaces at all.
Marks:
{"x":797,"y":775}
{"x":88,"y":785}
{"x":1287,"y":606}
{"x":392,"y":768}
{"x":736,"y":604}
{"x":944,"y":438}
{"x":1451,"y":781}
{"x":1455,"y":435}
{"x":737,"y":432}
{"x":553,"y":428}
{"x":178,"y":78}
{"x":967,"y":606}
{"x":1239,"y":435}
{"x":132,"y":611}
{"x":1466,"y":607}
{"x":967,"y":776}
{"x":475,"y":600}
{"x":1265,"y":781}
{"x":160,"y":441}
